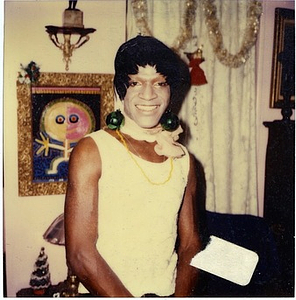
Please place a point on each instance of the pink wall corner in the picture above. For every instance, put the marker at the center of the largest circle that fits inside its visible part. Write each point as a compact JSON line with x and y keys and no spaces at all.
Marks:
{"x":264,"y":66}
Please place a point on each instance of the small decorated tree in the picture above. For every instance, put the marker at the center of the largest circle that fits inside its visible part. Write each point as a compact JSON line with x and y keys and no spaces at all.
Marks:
{"x":40,"y":277}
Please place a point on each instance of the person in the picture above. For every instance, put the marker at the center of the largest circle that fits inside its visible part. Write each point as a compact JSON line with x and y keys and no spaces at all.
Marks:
{"x":130,"y":220}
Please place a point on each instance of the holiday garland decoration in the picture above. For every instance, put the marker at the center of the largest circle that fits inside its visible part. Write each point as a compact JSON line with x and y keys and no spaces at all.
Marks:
{"x":252,"y":28}
{"x":185,"y":34}
{"x":29,"y":74}
{"x":141,"y":12}
{"x":213,"y":25}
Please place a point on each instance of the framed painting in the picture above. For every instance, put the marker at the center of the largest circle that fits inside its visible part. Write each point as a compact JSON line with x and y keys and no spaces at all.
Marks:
{"x":53,"y":115}
{"x":283,"y":61}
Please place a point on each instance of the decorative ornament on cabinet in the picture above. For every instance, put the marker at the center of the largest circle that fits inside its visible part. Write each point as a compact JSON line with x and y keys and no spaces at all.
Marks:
{"x":40,"y":277}
{"x":55,"y":234}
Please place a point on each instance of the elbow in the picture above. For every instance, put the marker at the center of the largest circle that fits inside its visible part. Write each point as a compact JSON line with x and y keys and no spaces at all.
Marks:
{"x":186,"y":251}
{"x":73,"y":259}
{"x":78,"y":259}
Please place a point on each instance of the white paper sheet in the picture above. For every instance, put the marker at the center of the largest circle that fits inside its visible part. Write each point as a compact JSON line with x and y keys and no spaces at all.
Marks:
{"x":227,"y":260}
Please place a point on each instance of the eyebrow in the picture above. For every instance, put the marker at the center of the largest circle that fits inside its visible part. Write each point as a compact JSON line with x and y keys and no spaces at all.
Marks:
{"x":157,"y":77}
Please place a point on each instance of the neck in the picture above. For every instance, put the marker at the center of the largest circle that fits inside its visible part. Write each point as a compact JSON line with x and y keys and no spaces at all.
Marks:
{"x":132,"y":129}
{"x":165,"y":141}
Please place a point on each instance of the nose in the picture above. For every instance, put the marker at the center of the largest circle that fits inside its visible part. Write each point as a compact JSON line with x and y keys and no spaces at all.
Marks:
{"x":147,"y":92}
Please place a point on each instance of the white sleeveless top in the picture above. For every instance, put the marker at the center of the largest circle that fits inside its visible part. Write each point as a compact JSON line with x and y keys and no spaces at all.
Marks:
{"x":137,"y":225}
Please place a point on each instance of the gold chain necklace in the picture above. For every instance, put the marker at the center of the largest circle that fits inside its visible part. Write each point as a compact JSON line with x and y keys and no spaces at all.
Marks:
{"x":137,"y":164}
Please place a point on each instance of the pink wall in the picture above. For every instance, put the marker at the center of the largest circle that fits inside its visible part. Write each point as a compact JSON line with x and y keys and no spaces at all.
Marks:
{"x":264,"y":66}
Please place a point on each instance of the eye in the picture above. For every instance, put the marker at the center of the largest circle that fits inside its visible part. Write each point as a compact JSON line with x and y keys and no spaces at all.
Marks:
{"x":164,"y":83}
{"x":60,"y":119}
{"x":73,"y":118}
{"x":133,"y":83}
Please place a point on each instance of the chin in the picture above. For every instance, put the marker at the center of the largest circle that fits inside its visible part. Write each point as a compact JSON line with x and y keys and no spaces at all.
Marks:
{"x":148,"y":125}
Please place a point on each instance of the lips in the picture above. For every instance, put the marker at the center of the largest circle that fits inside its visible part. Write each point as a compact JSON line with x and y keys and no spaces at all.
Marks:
{"x":147,"y":108}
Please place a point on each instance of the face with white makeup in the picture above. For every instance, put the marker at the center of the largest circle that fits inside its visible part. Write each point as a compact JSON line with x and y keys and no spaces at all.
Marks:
{"x":147,"y":97}
{"x":149,"y":77}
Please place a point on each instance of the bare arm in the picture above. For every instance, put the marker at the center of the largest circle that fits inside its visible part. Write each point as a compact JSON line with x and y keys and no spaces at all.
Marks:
{"x":81,"y":223}
{"x":189,"y":241}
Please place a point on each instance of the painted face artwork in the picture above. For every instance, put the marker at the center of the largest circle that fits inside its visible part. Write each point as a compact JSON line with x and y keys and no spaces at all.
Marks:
{"x":147,"y":97}
{"x":67,"y":120}
{"x":63,"y":123}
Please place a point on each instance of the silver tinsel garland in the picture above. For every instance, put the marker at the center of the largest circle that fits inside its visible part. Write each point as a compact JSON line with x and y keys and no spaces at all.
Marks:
{"x":140,"y":13}
{"x":216,"y":38}
{"x":213,"y":26}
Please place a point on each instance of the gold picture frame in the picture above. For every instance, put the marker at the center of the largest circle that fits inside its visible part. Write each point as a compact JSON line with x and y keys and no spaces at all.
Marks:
{"x":72,"y":85}
{"x":283,"y":49}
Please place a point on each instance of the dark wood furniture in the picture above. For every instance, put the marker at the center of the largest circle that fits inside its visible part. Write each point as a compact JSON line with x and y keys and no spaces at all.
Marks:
{"x":279,"y":195}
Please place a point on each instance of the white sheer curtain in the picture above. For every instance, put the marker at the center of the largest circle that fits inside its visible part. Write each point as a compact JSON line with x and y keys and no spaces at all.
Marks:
{"x":220,"y":114}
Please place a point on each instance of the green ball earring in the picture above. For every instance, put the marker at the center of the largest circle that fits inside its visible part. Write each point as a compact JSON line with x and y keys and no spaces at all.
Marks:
{"x":169,"y":121}
{"x":115,"y":119}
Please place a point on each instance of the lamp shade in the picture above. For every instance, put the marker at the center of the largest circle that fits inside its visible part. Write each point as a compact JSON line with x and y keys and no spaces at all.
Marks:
{"x":55,"y":234}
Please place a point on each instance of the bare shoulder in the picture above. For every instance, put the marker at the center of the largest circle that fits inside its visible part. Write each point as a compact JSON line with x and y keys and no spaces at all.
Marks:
{"x":84,"y":149}
{"x":85,"y":157}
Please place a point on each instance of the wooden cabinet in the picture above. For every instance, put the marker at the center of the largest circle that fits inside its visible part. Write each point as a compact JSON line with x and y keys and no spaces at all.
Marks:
{"x":279,"y":195}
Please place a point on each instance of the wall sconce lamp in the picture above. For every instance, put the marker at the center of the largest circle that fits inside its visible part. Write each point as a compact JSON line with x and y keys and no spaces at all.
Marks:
{"x":72,"y":25}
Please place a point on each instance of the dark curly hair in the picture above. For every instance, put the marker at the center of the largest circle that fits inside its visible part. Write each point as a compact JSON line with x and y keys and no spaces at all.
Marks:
{"x":146,"y":50}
